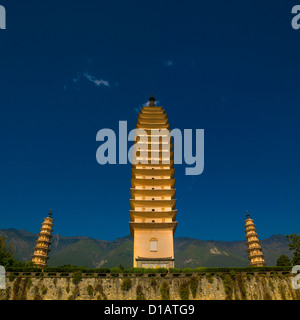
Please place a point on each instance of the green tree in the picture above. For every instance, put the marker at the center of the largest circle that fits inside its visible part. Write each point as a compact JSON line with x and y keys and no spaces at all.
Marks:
{"x":116,"y":270}
{"x":283,"y":261}
{"x":28,"y":264}
{"x":294,"y":244}
{"x":6,"y":253}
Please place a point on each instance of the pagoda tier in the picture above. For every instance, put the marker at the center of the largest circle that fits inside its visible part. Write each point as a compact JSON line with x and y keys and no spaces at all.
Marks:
{"x":149,"y":194}
{"x":153,"y":134}
{"x":256,"y":256}
{"x":152,"y":116}
{"x":156,"y":120}
{"x":152,"y":126}
{"x":154,"y":166}
{"x":153,"y":156}
{"x":152,"y":215}
{"x":40,"y":240}
{"x":152,"y":110}
{"x":153,"y":183}
{"x":156,"y":146}
{"x":149,"y":225}
{"x":42,"y":249}
{"x":149,"y":174}
{"x":153,"y":203}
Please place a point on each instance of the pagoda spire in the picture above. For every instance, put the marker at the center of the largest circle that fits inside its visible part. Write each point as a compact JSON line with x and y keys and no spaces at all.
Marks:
{"x":247,"y":214}
{"x":152,"y":202}
{"x":42,"y":248}
{"x":256,"y":256}
{"x":152,"y":101}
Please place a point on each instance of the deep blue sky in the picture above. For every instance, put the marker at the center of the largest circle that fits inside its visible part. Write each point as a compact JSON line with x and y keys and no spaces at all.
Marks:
{"x":228,"y":67}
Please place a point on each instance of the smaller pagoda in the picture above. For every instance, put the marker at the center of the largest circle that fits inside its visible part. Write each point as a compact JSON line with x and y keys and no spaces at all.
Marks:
{"x":256,"y":256}
{"x":42,"y":249}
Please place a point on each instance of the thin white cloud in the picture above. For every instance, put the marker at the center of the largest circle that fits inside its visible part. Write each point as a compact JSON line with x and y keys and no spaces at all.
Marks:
{"x":97,"y":82}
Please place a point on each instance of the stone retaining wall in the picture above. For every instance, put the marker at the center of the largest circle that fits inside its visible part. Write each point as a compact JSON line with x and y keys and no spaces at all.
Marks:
{"x":200,"y":286}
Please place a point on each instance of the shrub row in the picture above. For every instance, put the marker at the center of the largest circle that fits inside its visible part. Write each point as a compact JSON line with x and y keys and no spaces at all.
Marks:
{"x":246,"y":269}
{"x":145,"y":270}
{"x":23,"y":269}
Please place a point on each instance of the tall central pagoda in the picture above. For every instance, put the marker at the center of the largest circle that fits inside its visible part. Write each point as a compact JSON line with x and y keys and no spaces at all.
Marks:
{"x":152,"y":200}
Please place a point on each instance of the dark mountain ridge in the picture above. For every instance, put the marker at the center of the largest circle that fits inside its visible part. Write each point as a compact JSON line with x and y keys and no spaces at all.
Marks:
{"x":189,"y":252}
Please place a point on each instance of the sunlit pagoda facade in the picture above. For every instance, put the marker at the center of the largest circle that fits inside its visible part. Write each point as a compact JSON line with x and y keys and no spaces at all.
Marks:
{"x":42,"y":249}
{"x":256,"y":256}
{"x":152,"y":200}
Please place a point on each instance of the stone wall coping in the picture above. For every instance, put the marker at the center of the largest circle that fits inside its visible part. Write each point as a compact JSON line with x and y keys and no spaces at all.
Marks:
{"x":136,"y":275}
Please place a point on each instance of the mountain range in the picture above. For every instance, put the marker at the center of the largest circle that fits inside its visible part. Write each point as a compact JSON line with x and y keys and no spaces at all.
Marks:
{"x":189,"y":253}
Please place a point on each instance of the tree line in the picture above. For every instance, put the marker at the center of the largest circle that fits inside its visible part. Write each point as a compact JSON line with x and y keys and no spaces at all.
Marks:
{"x":294,"y":245}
